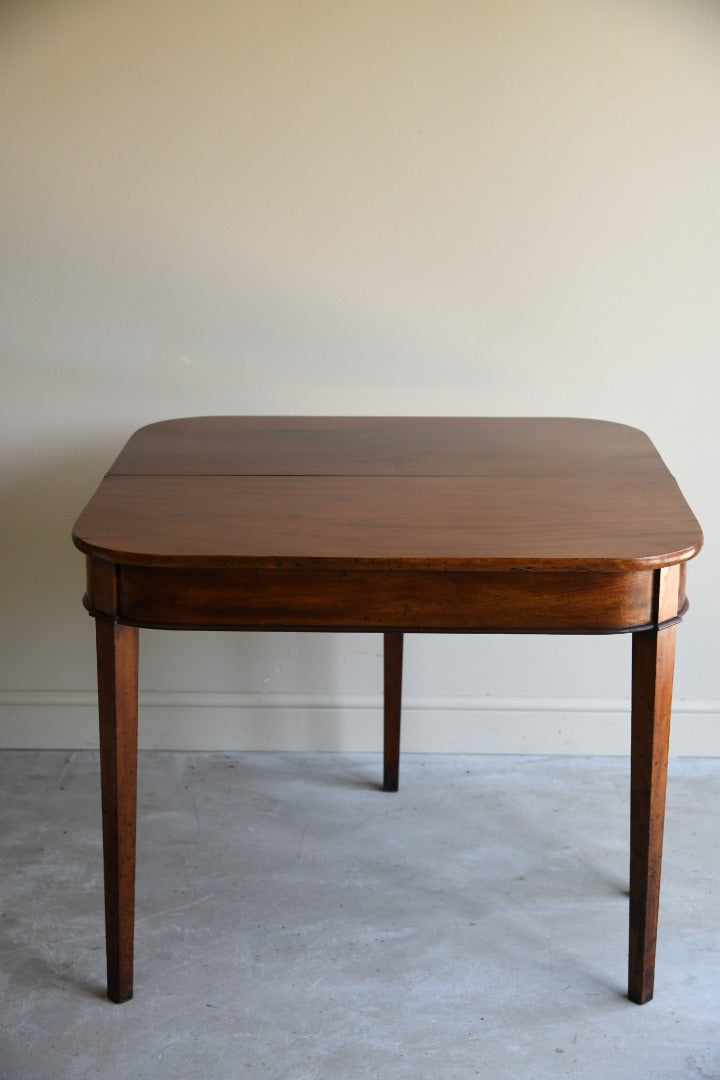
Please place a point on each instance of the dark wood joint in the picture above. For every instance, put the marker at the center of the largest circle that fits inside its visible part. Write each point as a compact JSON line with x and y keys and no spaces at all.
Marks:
{"x":101,"y":596}
{"x":669,"y":603}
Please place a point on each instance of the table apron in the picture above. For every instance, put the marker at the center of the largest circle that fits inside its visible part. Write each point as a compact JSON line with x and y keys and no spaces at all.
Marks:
{"x":520,"y":601}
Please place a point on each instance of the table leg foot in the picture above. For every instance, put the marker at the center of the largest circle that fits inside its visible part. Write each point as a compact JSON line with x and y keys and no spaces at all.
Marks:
{"x":117,"y":660}
{"x":393,"y":660}
{"x":653,"y":657}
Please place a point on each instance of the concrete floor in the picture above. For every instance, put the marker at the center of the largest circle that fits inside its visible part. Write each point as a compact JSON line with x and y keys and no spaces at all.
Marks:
{"x":295,"y":922}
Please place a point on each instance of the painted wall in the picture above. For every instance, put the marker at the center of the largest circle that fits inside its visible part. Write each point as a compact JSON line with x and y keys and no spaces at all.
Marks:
{"x":496,"y":207}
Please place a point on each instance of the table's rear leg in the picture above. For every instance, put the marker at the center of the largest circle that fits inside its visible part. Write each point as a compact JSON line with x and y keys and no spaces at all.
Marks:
{"x":117,"y":661}
{"x":393,"y":660}
{"x":653,"y":657}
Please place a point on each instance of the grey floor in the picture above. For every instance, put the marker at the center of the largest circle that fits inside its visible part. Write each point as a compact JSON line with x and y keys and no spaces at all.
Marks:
{"x":295,"y":922}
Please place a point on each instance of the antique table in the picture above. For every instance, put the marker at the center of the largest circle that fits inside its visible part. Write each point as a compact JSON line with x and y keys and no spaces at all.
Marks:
{"x":387,"y":524}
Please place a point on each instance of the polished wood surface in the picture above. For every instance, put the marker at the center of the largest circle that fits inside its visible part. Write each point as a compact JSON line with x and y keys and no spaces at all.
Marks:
{"x":393,"y":525}
{"x":399,"y":494}
{"x":117,"y":660}
{"x":471,"y":602}
{"x":391,"y":446}
{"x":653,"y":662}
{"x":392,"y":696}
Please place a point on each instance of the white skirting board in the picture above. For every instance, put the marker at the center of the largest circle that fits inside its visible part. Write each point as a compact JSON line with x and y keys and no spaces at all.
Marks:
{"x":235,"y":721}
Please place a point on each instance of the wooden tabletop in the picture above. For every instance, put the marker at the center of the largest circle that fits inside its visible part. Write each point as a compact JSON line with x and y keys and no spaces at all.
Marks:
{"x":402,"y":493}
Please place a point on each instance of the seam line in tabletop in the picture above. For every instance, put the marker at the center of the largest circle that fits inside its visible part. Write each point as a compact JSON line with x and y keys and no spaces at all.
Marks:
{"x":658,"y":474}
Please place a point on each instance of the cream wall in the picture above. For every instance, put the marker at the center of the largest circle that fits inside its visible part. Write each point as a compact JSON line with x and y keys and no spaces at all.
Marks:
{"x":337,"y":207}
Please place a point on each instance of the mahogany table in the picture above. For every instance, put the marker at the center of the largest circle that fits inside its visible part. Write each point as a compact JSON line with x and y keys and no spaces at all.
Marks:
{"x":392,"y":525}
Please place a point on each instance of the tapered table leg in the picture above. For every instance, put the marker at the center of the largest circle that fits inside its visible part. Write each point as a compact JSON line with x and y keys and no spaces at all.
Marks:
{"x":117,"y":661}
{"x":393,"y":660}
{"x":653,"y":658}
